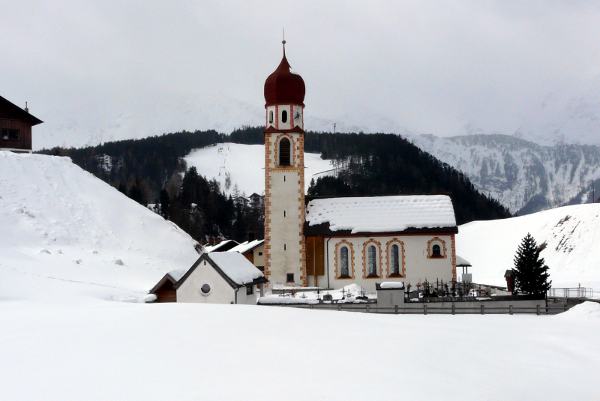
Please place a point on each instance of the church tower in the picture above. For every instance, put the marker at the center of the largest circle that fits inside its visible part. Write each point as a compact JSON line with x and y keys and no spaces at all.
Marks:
{"x":284,"y":177}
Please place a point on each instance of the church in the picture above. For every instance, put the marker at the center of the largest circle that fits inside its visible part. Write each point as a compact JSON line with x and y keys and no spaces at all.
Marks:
{"x":333,"y":242}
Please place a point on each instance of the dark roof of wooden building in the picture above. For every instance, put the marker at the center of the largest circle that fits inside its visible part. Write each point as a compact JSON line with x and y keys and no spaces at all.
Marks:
{"x":12,"y":111}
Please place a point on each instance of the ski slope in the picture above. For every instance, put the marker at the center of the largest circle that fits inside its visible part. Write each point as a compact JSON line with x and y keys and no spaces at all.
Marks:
{"x":65,"y":233}
{"x":571,"y":234}
{"x":245,"y":166}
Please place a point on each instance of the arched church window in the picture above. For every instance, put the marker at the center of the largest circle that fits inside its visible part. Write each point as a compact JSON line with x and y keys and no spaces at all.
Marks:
{"x":372,"y":260}
{"x":284,"y":152}
{"x":344,"y":269}
{"x":436,"y":251}
{"x":270,"y":116}
{"x":284,"y":116}
{"x":395,"y":259}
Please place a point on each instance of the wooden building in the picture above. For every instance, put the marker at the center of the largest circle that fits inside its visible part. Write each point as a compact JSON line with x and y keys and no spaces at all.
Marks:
{"x":15,"y":127}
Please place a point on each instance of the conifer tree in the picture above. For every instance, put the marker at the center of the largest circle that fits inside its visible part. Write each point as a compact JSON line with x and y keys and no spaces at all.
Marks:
{"x":165,"y":203}
{"x":530,"y":271}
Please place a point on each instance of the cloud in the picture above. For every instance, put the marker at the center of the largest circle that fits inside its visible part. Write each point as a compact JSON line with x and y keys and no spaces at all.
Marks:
{"x":95,"y":71}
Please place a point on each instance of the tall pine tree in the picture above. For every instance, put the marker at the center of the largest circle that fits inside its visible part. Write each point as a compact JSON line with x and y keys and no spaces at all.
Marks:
{"x":530,"y":271}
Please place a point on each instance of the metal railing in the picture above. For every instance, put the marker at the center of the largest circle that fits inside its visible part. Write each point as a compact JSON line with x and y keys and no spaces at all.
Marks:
{"x":429,"y":309}
{"x":574,"y":292}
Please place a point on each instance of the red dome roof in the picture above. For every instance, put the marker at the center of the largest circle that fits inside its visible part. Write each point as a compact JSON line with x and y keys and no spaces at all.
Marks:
{"x":283,"y":86}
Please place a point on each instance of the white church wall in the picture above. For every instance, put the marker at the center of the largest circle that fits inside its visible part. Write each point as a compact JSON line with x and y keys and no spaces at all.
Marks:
{"x":220,"y":293}
{"x":418,"y":266}
{"x":247,"y":299}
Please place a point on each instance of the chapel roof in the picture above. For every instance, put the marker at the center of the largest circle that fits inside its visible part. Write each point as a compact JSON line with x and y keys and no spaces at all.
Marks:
{"x":235,"y":269}
{"x":380,"y":214}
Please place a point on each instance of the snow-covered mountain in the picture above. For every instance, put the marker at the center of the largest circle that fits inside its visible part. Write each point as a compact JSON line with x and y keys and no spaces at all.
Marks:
{"x":522,"y":175}
{"x":240,"y":168}
{"x":65,"y":232}
{"x":571,"y":235}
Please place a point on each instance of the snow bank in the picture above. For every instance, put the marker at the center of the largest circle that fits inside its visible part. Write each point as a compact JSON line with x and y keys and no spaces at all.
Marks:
{"x":285,"y":300}
{"x":583,"y":311}
{"x":66,"y":233}
{"x":236,"y":267}
{"x":184,"y":352}
{"x":571,"y":235}
{"x":382,"y":213}
{"x":242,"y":166}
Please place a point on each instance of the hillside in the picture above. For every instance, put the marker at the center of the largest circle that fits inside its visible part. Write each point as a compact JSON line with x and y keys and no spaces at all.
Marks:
{"x":150,"y":170}
{"x":242,"y":166}
{"x":65,"y":232}
{"x":571,"y":235}
{"x":523,"y":176}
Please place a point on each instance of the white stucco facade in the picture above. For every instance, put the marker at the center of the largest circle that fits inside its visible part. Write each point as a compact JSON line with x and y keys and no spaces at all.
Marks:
{"x":416,"y":262}
{"x":221,"y":292}
{"x":258,"y":256}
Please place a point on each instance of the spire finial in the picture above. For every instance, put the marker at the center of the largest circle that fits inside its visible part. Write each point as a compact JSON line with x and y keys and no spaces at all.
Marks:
{"x":283,"y":42}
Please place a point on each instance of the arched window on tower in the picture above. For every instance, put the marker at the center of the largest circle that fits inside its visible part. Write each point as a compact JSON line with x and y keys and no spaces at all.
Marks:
{"x":284,"y":116}
{"x":270,"y":116}
{"x":284,"y":152}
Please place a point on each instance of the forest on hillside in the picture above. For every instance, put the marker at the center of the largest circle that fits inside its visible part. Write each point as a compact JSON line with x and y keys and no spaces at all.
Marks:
{"x":152,"y":171}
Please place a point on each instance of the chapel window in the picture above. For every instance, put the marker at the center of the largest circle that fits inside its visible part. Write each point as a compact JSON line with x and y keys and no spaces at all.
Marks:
{"x":270,"y":116}
{"x":284,"y":116}
{"x":205,"y":289}
{"x":344,"y":267}
{"x":284,"y":152}
{"x":395,"y":260}
{"x":372,"y":260}
{"x":436,"y":251}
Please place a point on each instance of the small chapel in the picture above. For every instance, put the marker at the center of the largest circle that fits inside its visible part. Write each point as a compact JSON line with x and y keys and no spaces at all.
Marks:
{"x":333,"y":242}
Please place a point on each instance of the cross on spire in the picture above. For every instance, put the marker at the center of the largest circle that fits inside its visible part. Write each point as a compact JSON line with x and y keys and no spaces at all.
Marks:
{"x":283,"y":42}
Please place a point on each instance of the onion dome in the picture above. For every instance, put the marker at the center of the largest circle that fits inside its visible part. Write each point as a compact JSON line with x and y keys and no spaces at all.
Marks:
{"x":283,"y":86}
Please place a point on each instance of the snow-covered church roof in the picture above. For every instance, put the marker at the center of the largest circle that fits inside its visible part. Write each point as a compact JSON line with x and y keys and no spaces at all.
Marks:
{"x":382,"y":213}
{"x":232,"y":266}
{"x":247,"y":246}
{"x":236,"y":267}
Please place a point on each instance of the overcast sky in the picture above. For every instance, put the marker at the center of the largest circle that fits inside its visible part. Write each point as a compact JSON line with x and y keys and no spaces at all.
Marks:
{"x":95,"y":71}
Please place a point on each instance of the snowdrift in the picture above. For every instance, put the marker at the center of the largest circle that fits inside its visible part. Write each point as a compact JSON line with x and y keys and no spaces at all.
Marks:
{"x":571,"y":235}
{"x":65,"y":232}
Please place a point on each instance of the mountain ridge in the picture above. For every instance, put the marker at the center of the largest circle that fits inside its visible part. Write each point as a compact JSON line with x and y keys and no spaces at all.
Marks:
{"x":524,"y":176}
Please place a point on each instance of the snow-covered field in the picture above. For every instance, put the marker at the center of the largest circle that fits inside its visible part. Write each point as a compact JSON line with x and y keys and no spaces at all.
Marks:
{"x":244,"y":165}
{"x":118,"y":351}
{"x":64,"y":231}
{"x":75,"y":255}
{"x":571,"y":234}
